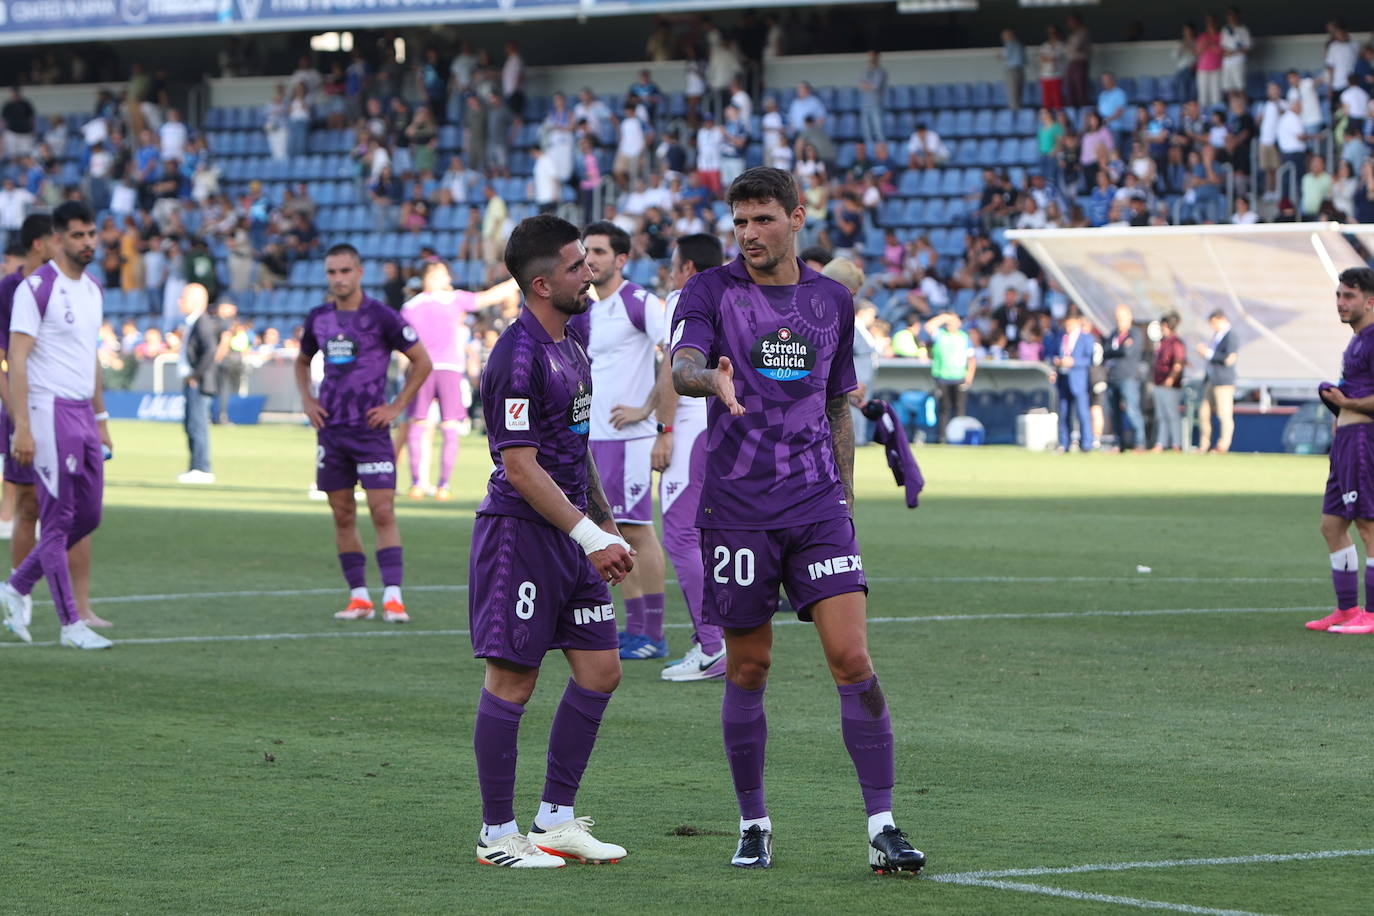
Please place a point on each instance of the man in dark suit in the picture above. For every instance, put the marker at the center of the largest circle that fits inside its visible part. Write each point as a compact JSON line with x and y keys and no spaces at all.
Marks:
{"x":1072,"y":358}
{"x":1219,"y":391}
{"x":196,"y":365}
{"x":1122,"y":352}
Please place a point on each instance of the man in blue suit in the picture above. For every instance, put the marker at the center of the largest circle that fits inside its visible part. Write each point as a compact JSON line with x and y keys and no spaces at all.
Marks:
{"x":1072,"y":358}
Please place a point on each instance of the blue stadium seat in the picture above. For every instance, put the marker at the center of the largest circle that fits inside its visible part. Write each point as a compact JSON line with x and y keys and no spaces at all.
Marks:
{"x":847,"y":98}
{"x":909,"y":184}
{"x":971,"y":181}
{"x":935,"y":213}
{"x":846,"y":127}
{"x":890,"y":213}
{"x":941,"y":96}
{"x":1003,"y":123}
{"x":922,"y":98}
{"x":951,"y":183}
{"x":981,"y":95}
{"x":913,"y":213}
{"x":897,"y":98}
{"x":966,"y":152}
{"x":944,"y":124}
{"x":1026,"y":122}
{"x":987,"y":153}
{"x":961,"y":95}
{"x":963,"y":123}
{"x":930,"y":183}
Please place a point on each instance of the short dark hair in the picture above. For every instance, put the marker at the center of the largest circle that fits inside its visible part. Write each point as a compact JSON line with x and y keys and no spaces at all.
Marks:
{"x":619,"y":238}
{"x":36,"y":226}
{"x":72,"y":211}
{"x":534,"y":243}
{"x":1171,"y":320}
{"x":763,"y":183}
{"x":15,"y":250}
{"x":344,"y":248}
{"x":1216,"y":313}
{"x":702,"y":249}
{"x":1361,"y":278}
{"x":820,"y":255}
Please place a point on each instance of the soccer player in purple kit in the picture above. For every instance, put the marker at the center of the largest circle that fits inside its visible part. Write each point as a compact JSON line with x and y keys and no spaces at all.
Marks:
{"x":56,"y":391}
{"x":353,"y":421}
{"x":439,"y":314}
{"x":623,"y":329}
{"x":776,"y":509}
{"x":544,"y":549}
{"x":1350,"y":485}
{"x":679,"y":454}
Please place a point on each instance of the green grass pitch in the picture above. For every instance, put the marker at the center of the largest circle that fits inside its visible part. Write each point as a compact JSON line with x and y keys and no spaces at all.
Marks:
{"x":1054,"y":707}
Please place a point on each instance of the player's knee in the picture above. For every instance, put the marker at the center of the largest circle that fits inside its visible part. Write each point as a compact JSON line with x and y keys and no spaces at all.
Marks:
{"x":749,"y":673}
{"x":851,"y":666}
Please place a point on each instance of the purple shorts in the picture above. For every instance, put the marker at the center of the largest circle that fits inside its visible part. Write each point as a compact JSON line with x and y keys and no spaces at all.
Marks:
{"x":445,"y":385}
{"x":15,"y":472}
{"x":745,"y":568}
{"x":627,"y":477}
{"x":532,"y":589}
{"x":1350,"y":485}
{"x":346,"y":456}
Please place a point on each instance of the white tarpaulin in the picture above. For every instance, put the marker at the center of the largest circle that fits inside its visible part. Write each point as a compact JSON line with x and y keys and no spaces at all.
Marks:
{"x":1275,"y":282}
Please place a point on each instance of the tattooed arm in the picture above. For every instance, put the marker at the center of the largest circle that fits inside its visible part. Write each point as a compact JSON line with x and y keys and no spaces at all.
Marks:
{"x":842,"y":442}
{"x":598,"y":507}
{"x":692,"y":379}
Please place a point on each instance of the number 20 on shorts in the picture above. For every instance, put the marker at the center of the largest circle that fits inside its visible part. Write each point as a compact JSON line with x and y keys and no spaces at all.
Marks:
{"x":742,"y":563}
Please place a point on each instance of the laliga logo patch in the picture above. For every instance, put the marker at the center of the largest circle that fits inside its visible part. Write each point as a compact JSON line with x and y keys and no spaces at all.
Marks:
{"x":517,"y":414}
{"x":784,"y":356}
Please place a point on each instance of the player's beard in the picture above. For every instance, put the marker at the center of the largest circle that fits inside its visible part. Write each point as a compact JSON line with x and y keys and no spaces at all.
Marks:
{"x":81,"y":257}
{"x":575,"y":305}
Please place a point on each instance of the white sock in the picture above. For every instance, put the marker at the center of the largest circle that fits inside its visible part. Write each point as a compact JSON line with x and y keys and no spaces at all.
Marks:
{"x":765,"y":822}
{"x":1345,"y":559}
{"x":876,"y":823}
{"x":496,"y":831}
{"x":392,"y":593}
{"x":552,"y":815}
{"x":360,"y":593}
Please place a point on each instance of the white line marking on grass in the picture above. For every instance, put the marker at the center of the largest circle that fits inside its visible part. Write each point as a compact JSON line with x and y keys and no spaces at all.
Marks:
{"x":783,"y":622}
{"x":1137,"y":902}
{"x":1162,"y":863}
{"x":967,"y":580}
{"x":990,"y":878}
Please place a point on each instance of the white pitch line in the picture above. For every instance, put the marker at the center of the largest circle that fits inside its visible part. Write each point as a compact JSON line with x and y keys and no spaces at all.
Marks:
{"x":1160,"y":863}
{"x":964,"y":580}
{"x":1138,"y":902}
{"x":783,"y":622}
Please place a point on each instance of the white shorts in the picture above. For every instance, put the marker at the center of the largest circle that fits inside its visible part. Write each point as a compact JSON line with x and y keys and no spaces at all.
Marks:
{"x":626,"y":476}
{"x":681,"y":480}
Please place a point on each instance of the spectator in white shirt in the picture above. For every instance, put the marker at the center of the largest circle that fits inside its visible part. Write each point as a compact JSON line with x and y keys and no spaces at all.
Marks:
{"x":1355,"y":101}
{"x":14,"y":205}
{"x":741,"y":100}
{"x":513,"y":79}
{"x":710,"y":145}
{"x":925,"y":149}
{"x":1302,"y":90}
{"x":173,"y":136}
{"x":771,"y":125}
{"x":1270,"y":112}
{"x":1235,"y":46}
{"x":1291,"y":138}
{"x":546,"y":182}
{"x":1244,"y":216}
{"x":1340,"y":57}
{"x":594,"y":111}
{"x":306,"y":75}
{"x":629,"y":151}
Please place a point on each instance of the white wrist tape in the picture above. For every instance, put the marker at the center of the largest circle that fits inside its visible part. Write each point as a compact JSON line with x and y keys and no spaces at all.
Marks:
{"x":591,"y":537}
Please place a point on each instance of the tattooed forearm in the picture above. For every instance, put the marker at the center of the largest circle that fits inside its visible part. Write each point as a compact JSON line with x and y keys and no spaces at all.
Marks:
{"x":691,"y":378}
{"x":598,"y":509}
{"x":842,"y":441}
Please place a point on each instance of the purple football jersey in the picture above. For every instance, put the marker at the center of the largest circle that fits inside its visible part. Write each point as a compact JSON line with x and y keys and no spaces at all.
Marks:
{"x":537,"y":392}
{"x":1357,"y":365}
{"x":7,"y":287}
{"x":793,"y":350}
{"x":357,"y":349}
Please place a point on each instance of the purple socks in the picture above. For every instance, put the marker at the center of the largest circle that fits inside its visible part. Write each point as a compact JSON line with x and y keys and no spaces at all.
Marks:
{"x":653,"y":617}
{"x":390,"y":563}
{"x":867,"y":734}
{"x":745,"y":728}
{"x":571,"y":739}
{"x":634,"y":615}
{"x":354,"y":567}
{"x":494,"y":740}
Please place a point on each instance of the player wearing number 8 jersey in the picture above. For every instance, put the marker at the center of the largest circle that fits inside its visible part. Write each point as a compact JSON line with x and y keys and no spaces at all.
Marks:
{"x":776,"y":506}
{"x":544,"y":547}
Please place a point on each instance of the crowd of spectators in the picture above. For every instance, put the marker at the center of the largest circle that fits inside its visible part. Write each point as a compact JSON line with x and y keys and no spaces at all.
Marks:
{"x":1102,"y":161}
